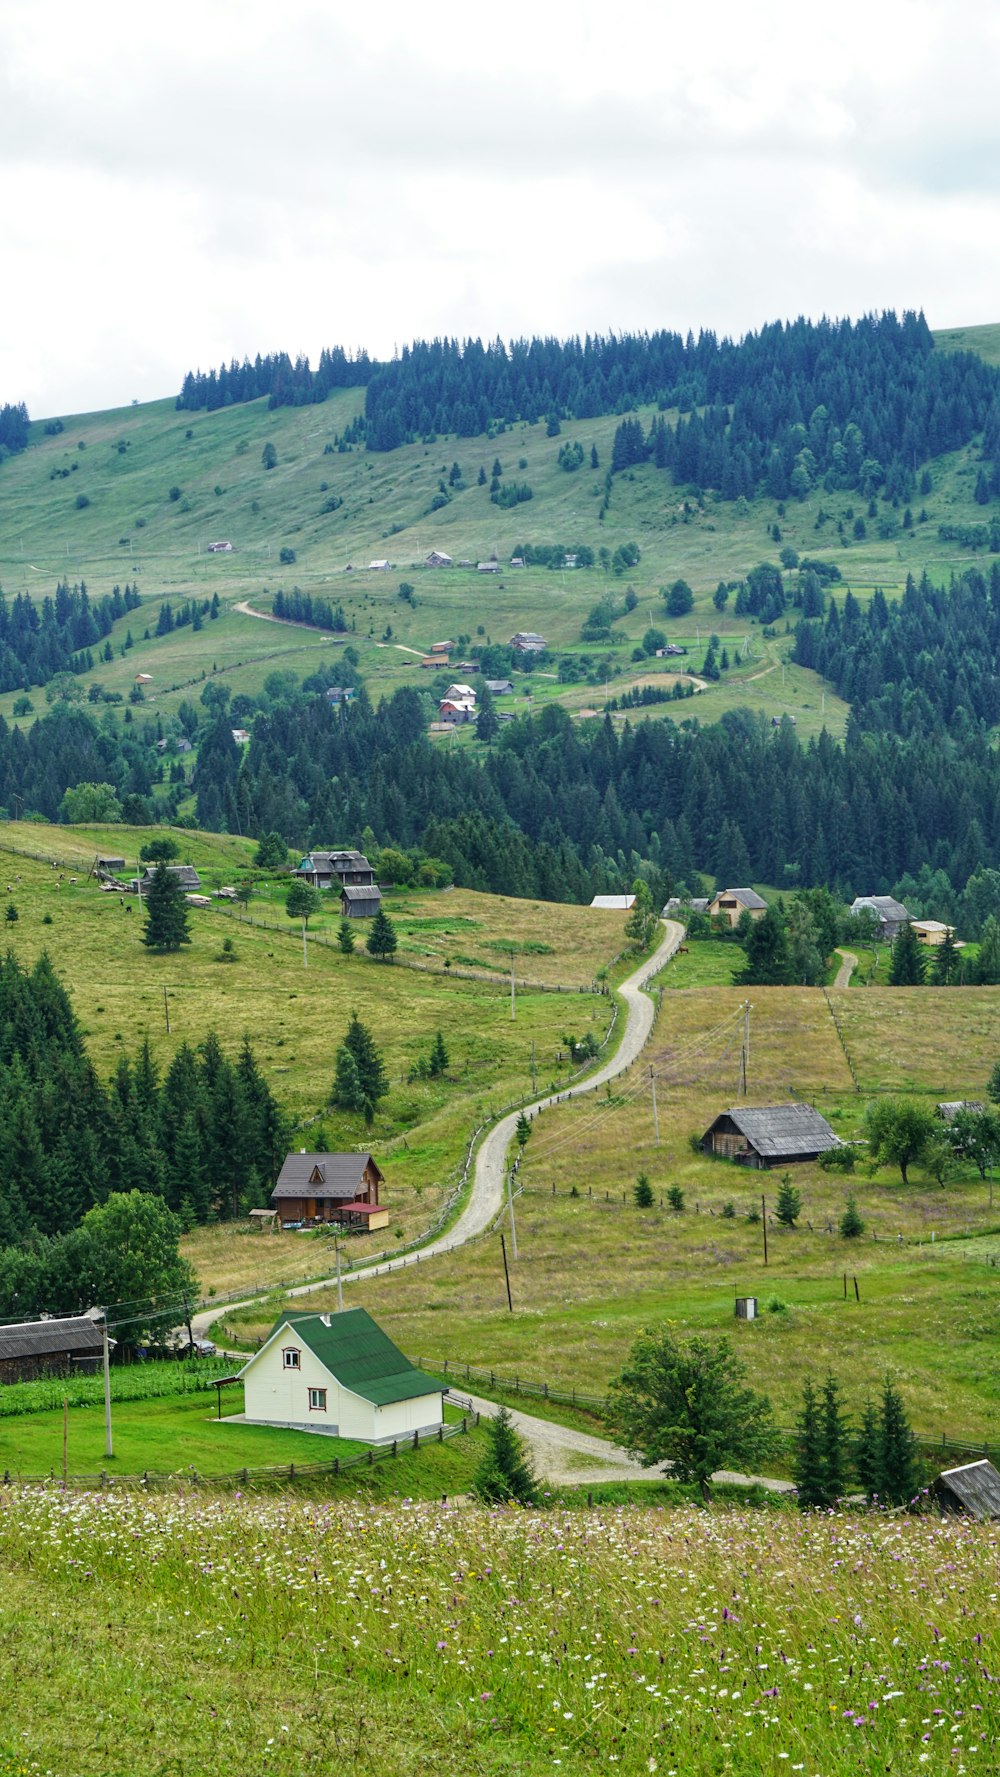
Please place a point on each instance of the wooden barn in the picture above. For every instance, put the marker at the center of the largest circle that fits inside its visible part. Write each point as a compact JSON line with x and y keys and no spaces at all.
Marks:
{"x":330,"y":1188}
{"x":29,"y":1349}
{"x":357,"y":902}
{"x":973,"y":1490}
{"x":339,"y":1374}
{"x":769,"y":1135}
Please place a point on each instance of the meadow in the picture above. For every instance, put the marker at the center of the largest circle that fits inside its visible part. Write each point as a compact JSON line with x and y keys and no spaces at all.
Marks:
{"x":192,"y":1634}
{"x":593,"y":1270}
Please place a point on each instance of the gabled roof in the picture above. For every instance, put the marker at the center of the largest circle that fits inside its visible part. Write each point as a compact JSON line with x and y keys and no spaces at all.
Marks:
{"x":358,"y":891}
{"x":49,"y":1338}
{"x":886,"y":906}
{"x":358,"y":1353}
{"x":974,"y":1488}
{"x":747,"y":897}
{"x":339,"y":1175}
{"x":614,"y":903}
{"x":185,"y":874}
{"x":779,"y":1131}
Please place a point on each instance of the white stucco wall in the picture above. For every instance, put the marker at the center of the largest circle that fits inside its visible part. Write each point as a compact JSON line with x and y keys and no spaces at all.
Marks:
{"x":274,"y":1395}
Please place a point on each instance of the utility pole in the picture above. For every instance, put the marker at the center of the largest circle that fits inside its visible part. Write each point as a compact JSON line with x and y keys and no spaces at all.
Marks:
{"x":305,"y":953}
{"x":656,"y":1120}
{"x":166,"y":1010}
{"x":534,"y":1076}
{"x":763,"y":1221}
{"x":506,"y":1273}
{"x":340,"y":1286}
{"x":108,"y":1445}
{"x":510,"y":1205}
{"x":745,"y":1049}
{"x":513,"y":1004}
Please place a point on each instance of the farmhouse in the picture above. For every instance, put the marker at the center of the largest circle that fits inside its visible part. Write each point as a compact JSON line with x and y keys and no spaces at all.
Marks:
{"x":457,"y":709}
{"x":381,"y":567}
{"x":224,"y":548}
{"x":973,"y":1489}
{"x":460,"y":692}
{"x":890,"y":913}
{"x":335,"y":869}
{"x":330,"y":1188}
{"x":360,"y":901}
{"x":731,"y":904}
{"x":527,"y":641}
{"x":499,"y":687}
{"x":614,"y":903}
{"x":950,"y":1109}
{"x":769,"y":1135}
{"x":487,"y":567}
{"x":442,"y":647}
{"x":339,"y":1374}
{"x":241,"y":736}
{"x":438,"y":559}
{"x":29,"y":1349}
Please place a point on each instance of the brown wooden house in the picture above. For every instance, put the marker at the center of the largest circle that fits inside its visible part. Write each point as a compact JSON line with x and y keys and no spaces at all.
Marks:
{"x":330,"y":1188}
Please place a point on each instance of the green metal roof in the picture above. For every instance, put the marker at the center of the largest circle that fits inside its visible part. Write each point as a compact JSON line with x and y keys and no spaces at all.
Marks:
{"x":363,"y":1358}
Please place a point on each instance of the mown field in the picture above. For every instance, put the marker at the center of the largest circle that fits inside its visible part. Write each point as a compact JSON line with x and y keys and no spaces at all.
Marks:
{"x":593,"y":1269}
{"x":191,"y":1634}
{"x":296,"y":1016}
{"x":340,"y":510}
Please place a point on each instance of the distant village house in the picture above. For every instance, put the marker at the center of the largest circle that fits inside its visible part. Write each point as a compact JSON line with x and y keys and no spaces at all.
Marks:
{"x":890,"y":913}
{"x":30,"y":1349}
{"x":769,"y":1135}
{"x":731,"y":904}
{"x":335,"y":869}
{"x":319,"y":1188}
{"x":527,"y":641}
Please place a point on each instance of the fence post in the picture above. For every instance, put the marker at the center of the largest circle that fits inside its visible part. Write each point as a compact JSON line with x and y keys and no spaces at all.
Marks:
{"x":395,"y":1450}
{"x":371,"y":1457}
{"x":291,"y":1471}
{"x":336,"y":1465}
{"x":440,"y":1434}
{"x":416,"y":1440}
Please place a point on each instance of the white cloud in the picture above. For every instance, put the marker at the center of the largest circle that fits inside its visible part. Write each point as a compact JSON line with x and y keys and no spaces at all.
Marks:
{"x":183,"y":185}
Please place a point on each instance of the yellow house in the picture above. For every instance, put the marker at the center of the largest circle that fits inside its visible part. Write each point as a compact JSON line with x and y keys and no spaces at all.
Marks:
{"x":930,"y":931}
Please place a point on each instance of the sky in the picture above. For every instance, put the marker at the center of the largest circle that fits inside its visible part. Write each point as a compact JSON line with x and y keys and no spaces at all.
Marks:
{"x":187,"y":183}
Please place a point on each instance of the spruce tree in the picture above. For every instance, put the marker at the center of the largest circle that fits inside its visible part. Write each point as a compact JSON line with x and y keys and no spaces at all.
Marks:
{"x":347,"y":1093}
{"x":899,"y":1467}
{"x":381,"y":940}
{"x":439,"y":1057}
{"x":867,"y":1452}
{"x":166,"y":925}
{"x":345,"y":938}
{"x":908,"y":960}
{"x":809,"y":1469}
{"x":947,"y":961}
{"x":643,"y":1192}
{"x":834,"y":1437}
{"x":504,"y":1473}
{"x":373,"y":1081}
{"x":851,"y":1222}
{"x":789,"y":1203}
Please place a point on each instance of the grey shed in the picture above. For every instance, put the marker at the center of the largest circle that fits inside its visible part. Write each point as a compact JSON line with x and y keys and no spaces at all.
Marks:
{"x":973,"y":1489}
{"x":768,"y":1135}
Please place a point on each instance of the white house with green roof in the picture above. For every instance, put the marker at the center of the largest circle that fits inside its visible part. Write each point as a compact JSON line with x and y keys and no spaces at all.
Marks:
{"x":339,"y":1374}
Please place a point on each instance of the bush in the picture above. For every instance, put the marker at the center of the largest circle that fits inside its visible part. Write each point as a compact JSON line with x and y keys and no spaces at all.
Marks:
{"x":286,"y":556}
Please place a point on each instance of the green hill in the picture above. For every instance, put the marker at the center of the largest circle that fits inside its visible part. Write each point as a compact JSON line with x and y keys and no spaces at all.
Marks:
{"x":141,"y":492}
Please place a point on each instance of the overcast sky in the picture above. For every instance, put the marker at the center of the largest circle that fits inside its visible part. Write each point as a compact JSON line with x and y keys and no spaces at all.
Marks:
{"x":185,"y":183}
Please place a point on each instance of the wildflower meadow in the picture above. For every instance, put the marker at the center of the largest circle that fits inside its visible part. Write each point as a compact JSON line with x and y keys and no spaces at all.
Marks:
{"x":193,"y":1634}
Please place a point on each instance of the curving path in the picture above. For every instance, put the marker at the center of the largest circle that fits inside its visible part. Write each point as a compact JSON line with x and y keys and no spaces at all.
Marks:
{"x":486,"y":1194}
{"x":846,"y":969}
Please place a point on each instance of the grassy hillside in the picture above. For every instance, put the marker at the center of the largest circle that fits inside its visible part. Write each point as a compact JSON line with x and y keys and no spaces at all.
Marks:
{"x":94,"y":503}
{"x":296,"y":1016}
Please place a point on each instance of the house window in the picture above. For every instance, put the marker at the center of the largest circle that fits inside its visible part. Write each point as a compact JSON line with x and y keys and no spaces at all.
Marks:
{"x":290,"y":1357}
{"x":317,"y":1400}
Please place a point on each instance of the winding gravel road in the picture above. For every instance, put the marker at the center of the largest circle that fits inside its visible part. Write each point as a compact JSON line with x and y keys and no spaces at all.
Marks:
{"x":488,"y":1176}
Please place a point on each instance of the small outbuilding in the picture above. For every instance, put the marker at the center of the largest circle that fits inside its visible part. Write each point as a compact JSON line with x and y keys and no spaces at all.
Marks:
{"x":931,"y":931}
{"x":360,"y":901}
{"x":614,"y":903}
{"x":339,"y":1374}
{"x":890,"y":913}
{"x":438,"y":559}
{"x":973,"y":1490}
{"x":951,"y":1108}
{"x":185,"y":875}
{"x":769,"y":1135}
{"x":528,"y":641}
{"x":55,"y":1347}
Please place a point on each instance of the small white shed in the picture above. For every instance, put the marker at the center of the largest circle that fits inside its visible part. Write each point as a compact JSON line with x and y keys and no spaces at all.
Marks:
{"x":339,"y":1374}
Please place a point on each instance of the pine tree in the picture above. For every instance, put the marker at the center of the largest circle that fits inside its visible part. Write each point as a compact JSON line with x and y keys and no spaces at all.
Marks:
{"x":347,"y":1091}
{"x":522,"y":1131}
{"x":504,"y":1473}
{"x":345,"y":938}
{"x":947,"y":962}
{"x":809,"y":1469}
{"x":643,"y":1192}
{"x":373,"y":1081}
{"x":439,"y":1057}
{"x":166,"y":925}
{"x":381,"y":940}
{"x":789,"y":1203}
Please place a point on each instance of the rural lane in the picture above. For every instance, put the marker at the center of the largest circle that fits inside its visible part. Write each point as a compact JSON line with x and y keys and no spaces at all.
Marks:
{"x":846,"y":968}
{"x":574,"y":1458}
{"x":486,"y":1194}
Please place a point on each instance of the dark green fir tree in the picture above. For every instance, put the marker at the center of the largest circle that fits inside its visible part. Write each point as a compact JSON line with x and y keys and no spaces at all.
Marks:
{"x":166,"y":925}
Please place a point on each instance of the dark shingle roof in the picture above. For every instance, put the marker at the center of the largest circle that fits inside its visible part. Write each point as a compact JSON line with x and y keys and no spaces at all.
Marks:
{"x":778,"y":1131}
{"x":361,"y":892}
{"x":747,"y":897}
{"x":973,"y":1488}
{"x":363,"y":1358}
{"x":49,"y":1338}
{"x":340,"y":1175}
